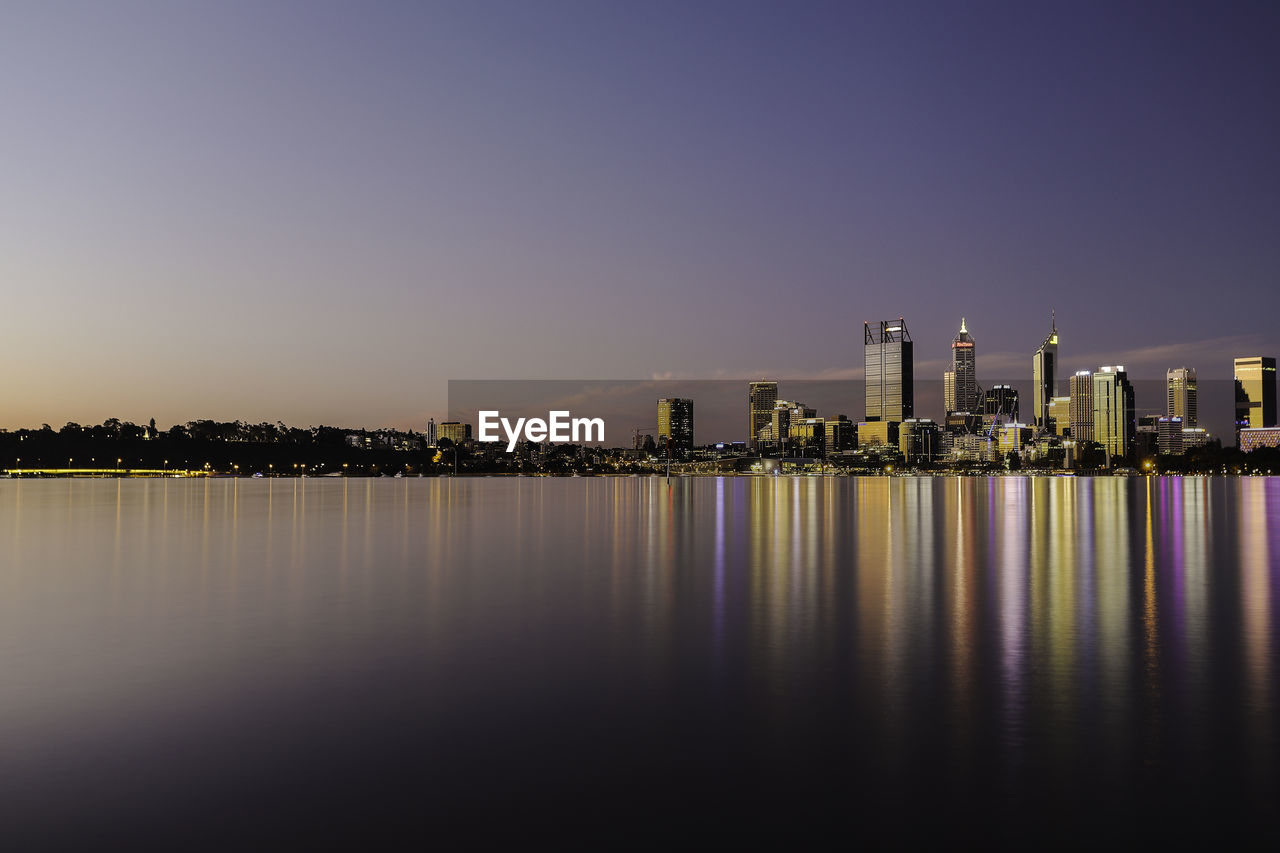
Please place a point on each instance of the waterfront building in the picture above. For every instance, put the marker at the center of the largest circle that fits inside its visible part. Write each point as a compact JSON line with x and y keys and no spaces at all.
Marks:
{"x":1169,"y":436}
{"x":761,"y":397}
{"x":888,"y":355}
{"x":1194,"y":437}
{"x":455,"y":431}
{"x":1252,"y":438}
{"x":1044,"y":367}
{"x":840,"y":434}
{"x":1255,"y":393}
{"x":1080,"y":406}
{"x":1180,"y":385}
{"x":675,"y":423}
{"x":809,"y":435}
{"x":431,"y":432}
{"x":1001,"y":400}
{"x":1114,"y":419}
{"x":960,"y":383}
{"x":784,"y":413}
{"x":878,"y":434}
{"x":918,"y":439}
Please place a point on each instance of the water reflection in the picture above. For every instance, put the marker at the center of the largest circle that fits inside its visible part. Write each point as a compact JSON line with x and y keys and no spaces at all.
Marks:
{"x":1086,"y":639}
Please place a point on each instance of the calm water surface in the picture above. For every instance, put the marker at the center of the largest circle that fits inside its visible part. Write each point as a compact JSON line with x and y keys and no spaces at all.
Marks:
{"x":246,"y":663}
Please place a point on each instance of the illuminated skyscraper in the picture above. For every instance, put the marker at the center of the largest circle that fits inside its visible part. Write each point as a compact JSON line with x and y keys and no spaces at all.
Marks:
{"x":431,"y":432}
{"x":1080,"y":409}
{"x":1002,"y":400}
{"x":1044,"y":367}
{"x":1114,"y":419}
{"x":1181,"y":385}
{"x":890,"y":371}
{"x":960,"y":383}
{"x":1255,"y":393}
{"x":675,"y":423}
{"x":761,"y":397}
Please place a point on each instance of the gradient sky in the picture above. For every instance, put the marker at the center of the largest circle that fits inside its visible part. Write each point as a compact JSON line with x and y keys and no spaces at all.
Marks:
{"x":321,"y":212}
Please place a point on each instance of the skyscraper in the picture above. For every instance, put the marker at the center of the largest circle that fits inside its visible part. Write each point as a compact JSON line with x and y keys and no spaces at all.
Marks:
{"x":1002,"y":400}
{"x":1114,"y":420}
{"x":890,"y":371}
{"x":1080,"y":409}
{"x":1044,"y":366}
{"x":431,"y":432}
{"x":1255,"y":393}
{"x":960,"y":383}
{"x":761,"y":397}
{"x":1180,"y":383}
{"x":675,"y":423}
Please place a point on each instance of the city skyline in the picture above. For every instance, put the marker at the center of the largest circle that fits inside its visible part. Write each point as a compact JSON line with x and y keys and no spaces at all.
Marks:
{"x":207,"y":218}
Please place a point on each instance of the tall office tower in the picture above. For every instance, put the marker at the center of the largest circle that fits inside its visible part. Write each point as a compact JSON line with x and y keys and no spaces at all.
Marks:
{"x":890,"y":371}
{"x":1044,"y":366}
{"x":431,"y":432}
{"x":780,"y":420}
{"x":1114,"y":421}
{"x":1080,"y":409}
{"x":1002,"y":400}
{"x":1181,"y":385}
{"x":675,"y":423}
{"x":761,"y":397}
{"x":1255,"y":393}
{"x":962,"y":378}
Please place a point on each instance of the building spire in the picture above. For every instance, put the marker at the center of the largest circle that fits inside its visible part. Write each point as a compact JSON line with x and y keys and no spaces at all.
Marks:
{"x":1053,"y":319}
{"x":963,"y":330}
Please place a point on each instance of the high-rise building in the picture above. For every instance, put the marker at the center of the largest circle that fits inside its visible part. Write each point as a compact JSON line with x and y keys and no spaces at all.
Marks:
{"x":780,"y":420}
{"x":1114,"y":420}
{"x":675,"y":423}
{"x":841,"y":434}
{"x":1080,"y":409}
{"x":808,"y":436}
{"x":1180,"y":383}
{"x":1001,"y":400}
{"x":919,"y":440}
{"x":1255,"y":393}
{"x":960,"y":383}
{"x":761,"y":397}
{"x":431,"y":432}
{"x":890,"y":371}
{"x":1059,"y":415}
{"x":1169,"y":437}
{"x":1044,"y":367}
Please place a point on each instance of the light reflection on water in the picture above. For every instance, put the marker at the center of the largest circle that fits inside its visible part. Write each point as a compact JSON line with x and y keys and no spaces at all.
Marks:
{"x":991,"y":649}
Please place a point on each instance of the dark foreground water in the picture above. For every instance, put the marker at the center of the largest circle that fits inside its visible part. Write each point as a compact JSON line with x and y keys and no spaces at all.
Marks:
{"x":245,"y":664}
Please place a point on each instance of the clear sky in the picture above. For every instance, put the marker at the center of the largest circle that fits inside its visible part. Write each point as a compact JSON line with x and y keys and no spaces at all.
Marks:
{"x":321,"y":212}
